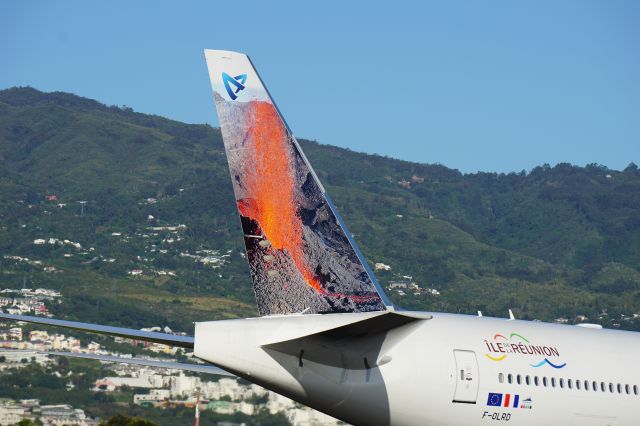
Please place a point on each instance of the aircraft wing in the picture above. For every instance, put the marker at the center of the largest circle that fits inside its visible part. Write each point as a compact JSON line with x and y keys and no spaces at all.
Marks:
{"x":197,"y":368}
{"x":147,"y":336}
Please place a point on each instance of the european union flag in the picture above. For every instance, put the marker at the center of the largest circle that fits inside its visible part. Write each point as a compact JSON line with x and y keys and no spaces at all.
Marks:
{"x":494,"y":400}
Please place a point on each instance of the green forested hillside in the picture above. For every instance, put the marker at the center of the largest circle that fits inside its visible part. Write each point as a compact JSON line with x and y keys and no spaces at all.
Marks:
{"x":550,"y":242}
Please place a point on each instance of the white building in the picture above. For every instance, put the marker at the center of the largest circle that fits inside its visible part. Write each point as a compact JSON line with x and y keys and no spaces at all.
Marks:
{"x":382,"y":267}
{"x":38,"y":335}
{"x":93,"y":347}
{"x":15,"y":356}
{"x":277,"y":403}
{"x":15,"y":333}
{"x":58,"y":415}
{"x":397,"y":285}
{"x":10,"y":414}
{"x":155,"y":395}
{"x":146,"y":379}
{"x":309,"y":417}
{"x":183,"y":385}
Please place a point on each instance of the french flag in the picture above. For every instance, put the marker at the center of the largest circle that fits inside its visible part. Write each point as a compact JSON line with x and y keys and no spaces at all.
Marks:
{"x":507,"y":400}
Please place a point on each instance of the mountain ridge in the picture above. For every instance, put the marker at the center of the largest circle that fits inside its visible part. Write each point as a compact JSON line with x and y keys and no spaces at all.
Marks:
{"x":565,"y":230}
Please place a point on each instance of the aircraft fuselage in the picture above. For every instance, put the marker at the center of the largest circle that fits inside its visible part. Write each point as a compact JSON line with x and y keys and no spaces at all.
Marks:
{"x":447,"y":370}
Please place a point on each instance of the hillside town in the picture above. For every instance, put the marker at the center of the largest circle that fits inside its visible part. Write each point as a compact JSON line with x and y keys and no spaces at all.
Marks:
{"x":14,"y":411}
{"x":28,"y":301}
{"x":161,"y":388}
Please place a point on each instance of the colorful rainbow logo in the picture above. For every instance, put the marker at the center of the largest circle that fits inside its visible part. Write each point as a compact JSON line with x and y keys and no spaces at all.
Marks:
{"x":517,"y":344}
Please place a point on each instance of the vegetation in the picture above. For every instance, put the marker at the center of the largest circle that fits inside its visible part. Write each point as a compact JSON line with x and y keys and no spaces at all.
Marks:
{"x":487,"y":241}
{"x":121,"y":420}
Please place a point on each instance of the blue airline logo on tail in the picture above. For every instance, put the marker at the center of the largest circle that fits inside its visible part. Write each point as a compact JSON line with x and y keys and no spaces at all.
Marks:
{"x":237,"y":81}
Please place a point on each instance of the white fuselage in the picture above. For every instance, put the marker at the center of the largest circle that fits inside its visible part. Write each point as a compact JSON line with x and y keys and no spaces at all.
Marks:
{"x":448,"y":370}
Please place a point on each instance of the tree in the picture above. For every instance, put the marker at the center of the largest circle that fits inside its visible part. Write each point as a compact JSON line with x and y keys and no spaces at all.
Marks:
{"x":121,"y":420}
{"x":103,"y":397}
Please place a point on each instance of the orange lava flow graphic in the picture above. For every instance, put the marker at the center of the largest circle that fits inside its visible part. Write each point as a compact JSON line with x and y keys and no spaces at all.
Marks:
{"x":269,"y":178}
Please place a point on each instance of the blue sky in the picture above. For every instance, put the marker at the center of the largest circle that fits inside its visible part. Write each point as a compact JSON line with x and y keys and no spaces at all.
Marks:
{"x":478,"y":85}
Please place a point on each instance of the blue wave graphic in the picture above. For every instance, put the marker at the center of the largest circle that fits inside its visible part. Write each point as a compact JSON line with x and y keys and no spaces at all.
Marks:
{"x":546,"y":361}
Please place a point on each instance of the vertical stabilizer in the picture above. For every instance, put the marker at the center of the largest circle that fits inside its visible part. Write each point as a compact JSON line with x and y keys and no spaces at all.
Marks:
{"x":301,"y":256}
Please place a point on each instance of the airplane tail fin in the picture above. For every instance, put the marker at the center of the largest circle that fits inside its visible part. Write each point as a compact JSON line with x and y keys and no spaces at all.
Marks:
{"x":302,"y":258}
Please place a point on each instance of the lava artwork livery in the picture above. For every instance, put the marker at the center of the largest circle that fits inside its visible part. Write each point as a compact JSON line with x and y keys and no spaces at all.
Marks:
{"x":330,"y":338}
{"x":300,"y":255}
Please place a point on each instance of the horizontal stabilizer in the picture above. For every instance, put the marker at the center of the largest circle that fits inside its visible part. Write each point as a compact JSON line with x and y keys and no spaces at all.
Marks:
{"x":147,"y":336}
{"x":356,"y":345}
{"x":197,"y":368}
